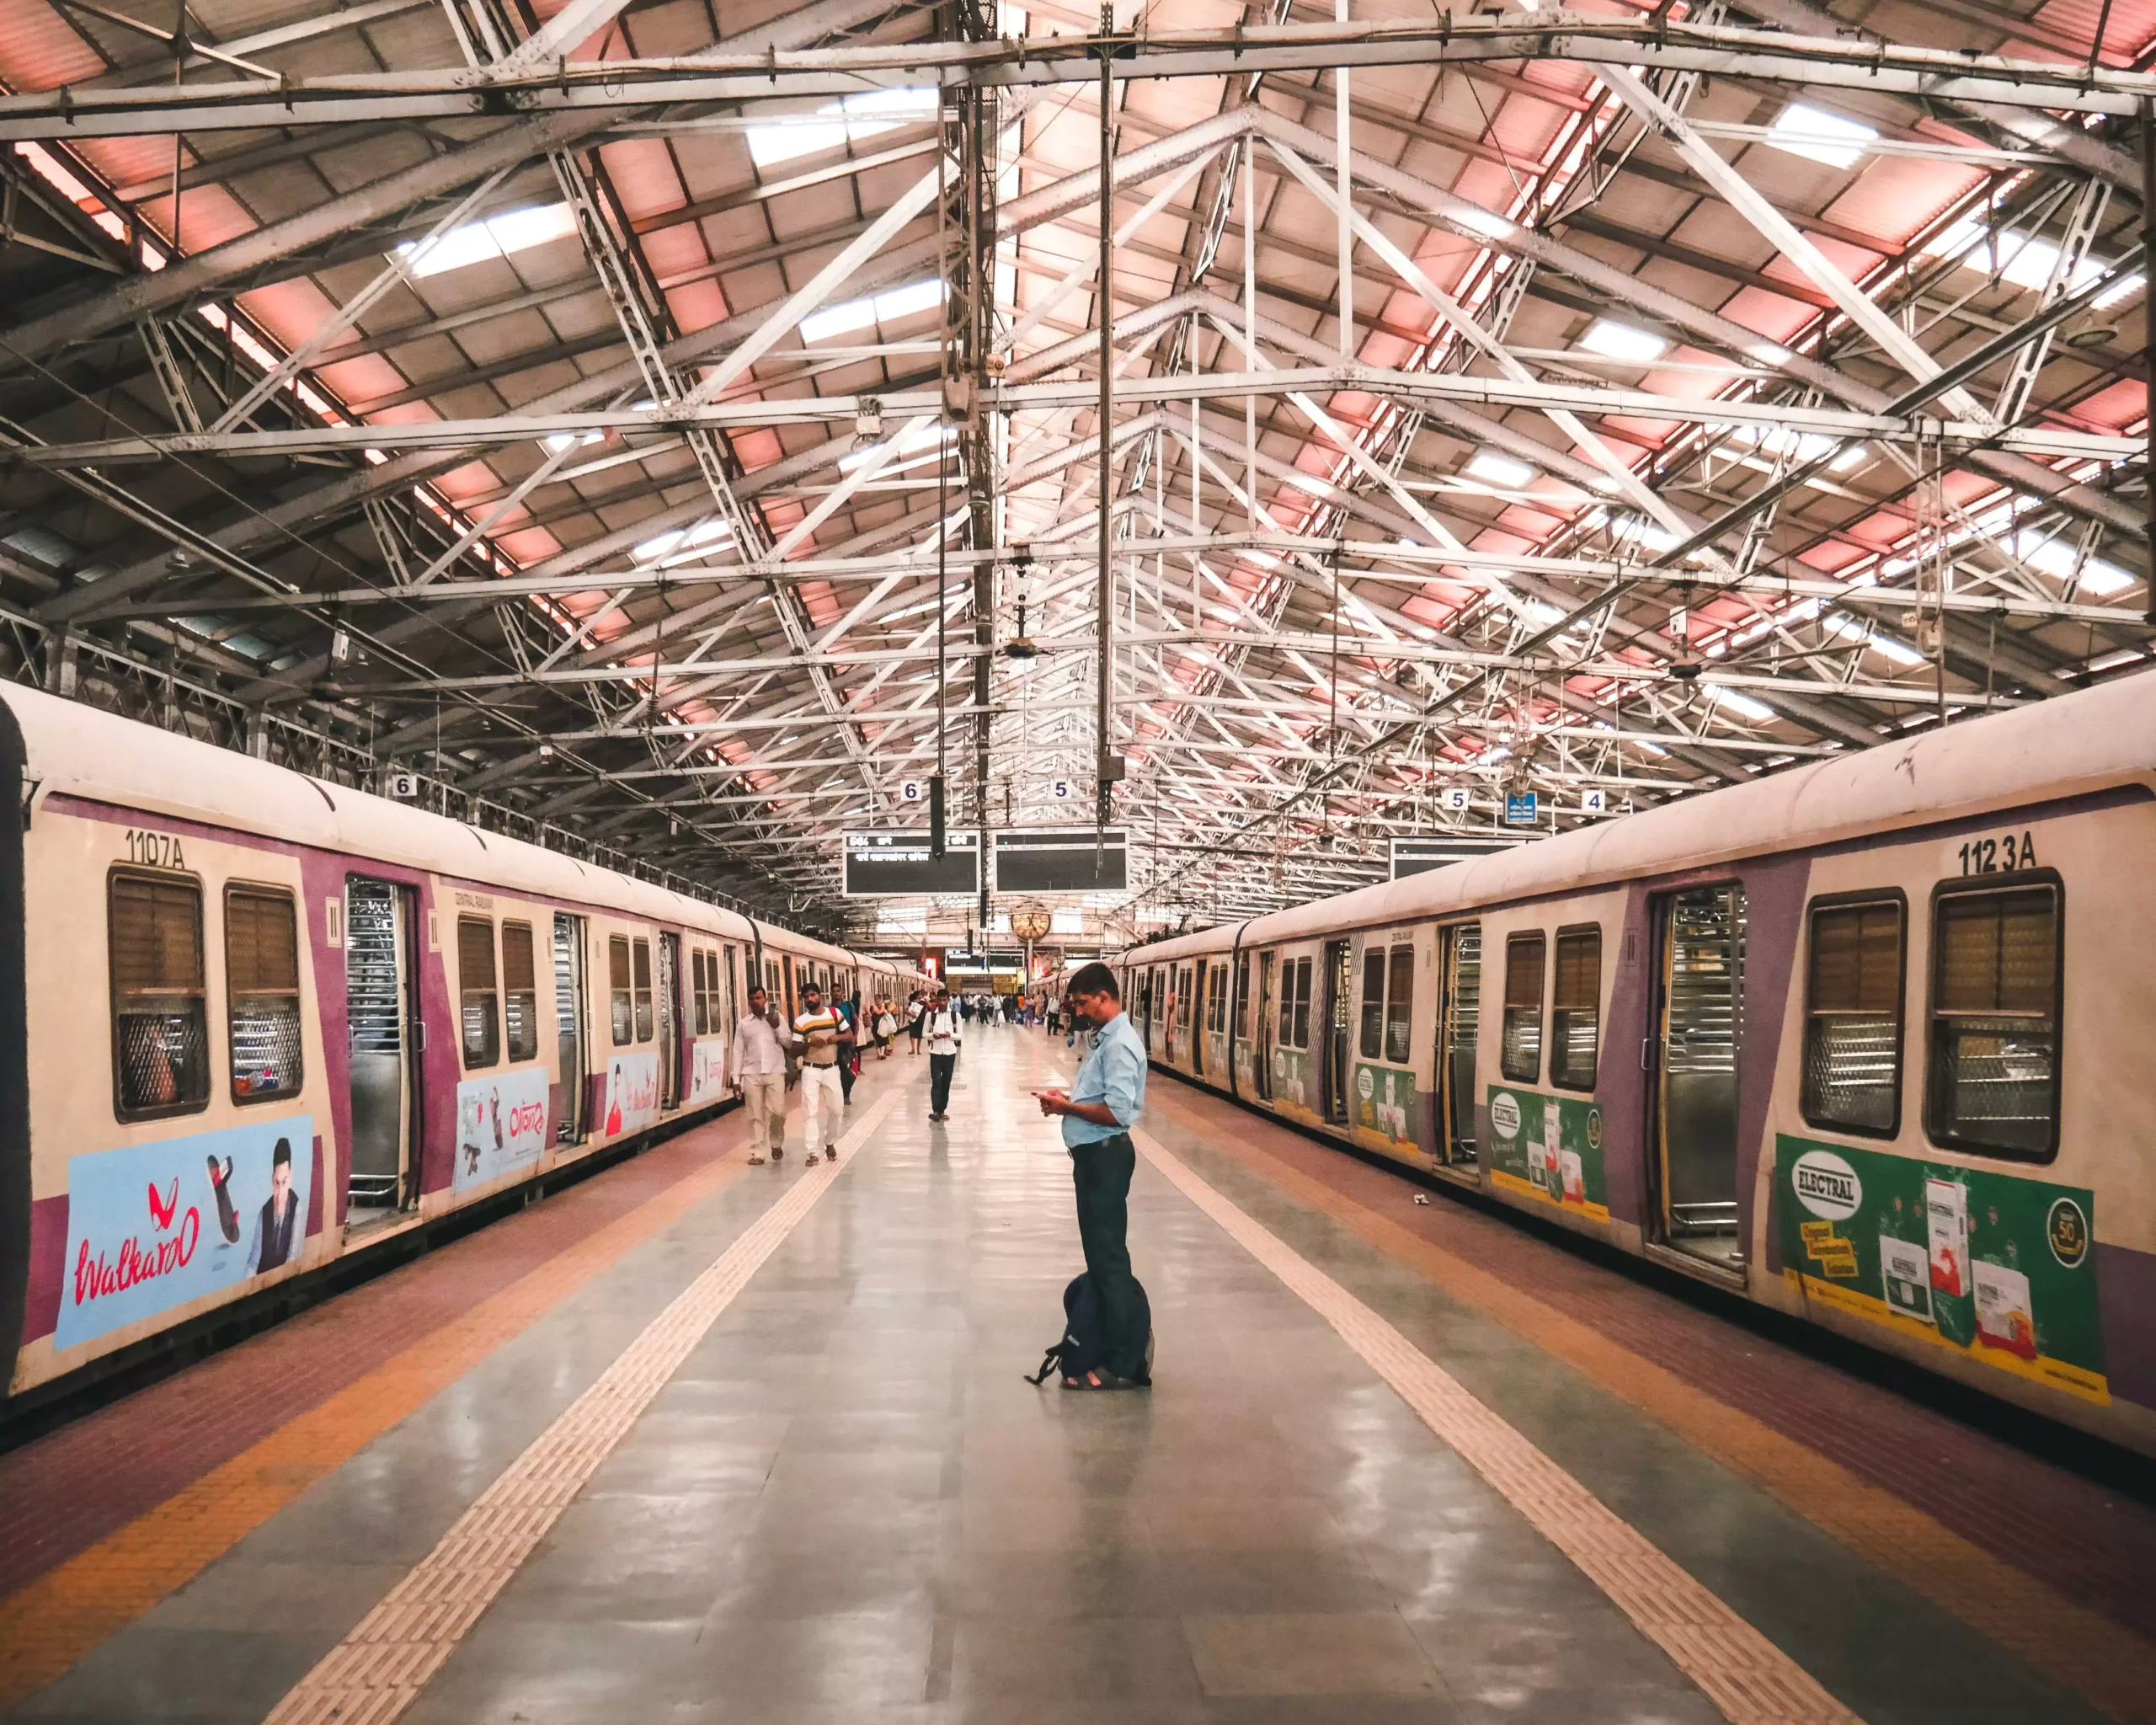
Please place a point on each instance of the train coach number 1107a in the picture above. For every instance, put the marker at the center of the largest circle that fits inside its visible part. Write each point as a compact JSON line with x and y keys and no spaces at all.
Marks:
{"x":154,"y":850}
{"x":2002,"y":855}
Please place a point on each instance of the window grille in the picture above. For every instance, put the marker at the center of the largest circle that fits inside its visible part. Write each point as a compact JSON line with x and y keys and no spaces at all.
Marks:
{"x":160,"y":1026}
{"x":617,"y":979}
{"x":1576,"y":1009}
{"x":478,"y":1008}
{"x":1853,"y":1018}
{"x":1520,"y":1048}
{"x":1994,"y":1021}
{"x":262,"y":993}
{"x":520,"y":992}
{"x":1400,"y":1007}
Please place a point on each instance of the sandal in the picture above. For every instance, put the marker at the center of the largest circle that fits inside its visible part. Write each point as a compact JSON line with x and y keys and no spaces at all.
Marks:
{"x":755,"y":1162}
{"x":1098,"y":1378}
{"x":814,"y":1158}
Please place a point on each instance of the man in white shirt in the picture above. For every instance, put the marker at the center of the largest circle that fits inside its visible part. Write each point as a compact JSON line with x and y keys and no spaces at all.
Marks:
{"x":941,"y":1027}
{"x":819,"y":1028}
{"x":759,"y":1077}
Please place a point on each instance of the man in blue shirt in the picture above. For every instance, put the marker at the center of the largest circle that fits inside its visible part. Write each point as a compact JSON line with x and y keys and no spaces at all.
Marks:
{"x":1103,"y":1103}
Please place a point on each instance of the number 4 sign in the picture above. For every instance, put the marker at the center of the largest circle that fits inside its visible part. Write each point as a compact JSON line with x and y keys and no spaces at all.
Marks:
{"x":1594,"y":801}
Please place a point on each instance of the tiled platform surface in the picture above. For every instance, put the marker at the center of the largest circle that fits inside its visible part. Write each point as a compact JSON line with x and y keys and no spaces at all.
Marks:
{"x":847,"y":1504}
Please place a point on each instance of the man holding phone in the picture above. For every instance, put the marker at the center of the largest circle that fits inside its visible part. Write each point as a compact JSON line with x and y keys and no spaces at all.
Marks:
{"x":1101,"y":1106}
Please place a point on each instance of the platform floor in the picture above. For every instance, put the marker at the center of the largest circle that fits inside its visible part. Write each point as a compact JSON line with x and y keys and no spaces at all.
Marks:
{"x":1403,"y":1462}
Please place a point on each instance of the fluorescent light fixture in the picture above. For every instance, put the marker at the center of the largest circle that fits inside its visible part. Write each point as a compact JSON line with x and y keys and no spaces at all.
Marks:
{"x":894,"y":302}
{"x":1620,"y":341}
{"x":1757,"y":711}
{"x":497,"y":236}
{"x":1820,"y":137}
{"x":1495,"y":467}
{"x":849,"y":120}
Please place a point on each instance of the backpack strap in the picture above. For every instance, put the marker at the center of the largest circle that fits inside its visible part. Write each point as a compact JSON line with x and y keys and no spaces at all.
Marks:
{"x":1050,"y":1362}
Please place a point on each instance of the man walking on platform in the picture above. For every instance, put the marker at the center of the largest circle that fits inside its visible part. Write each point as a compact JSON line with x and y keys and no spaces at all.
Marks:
{"x":820,"y":1032}
{"x":759,"y":1077}
{"x":1103,"y":1104}
{"x":940,"y":1024}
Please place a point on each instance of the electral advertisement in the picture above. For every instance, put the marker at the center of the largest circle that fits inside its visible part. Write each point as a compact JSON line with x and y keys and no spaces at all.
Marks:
{"x":152,"y":1226}
{"x":501,"y":1124}
{"x":1991,"y":1265}
{"x":1550,"y":1148}
{"x":1386,"y":1103}
{"x":1294,"y":1079}
{"x":632,"y":1093}
{"x":706,"y":1069}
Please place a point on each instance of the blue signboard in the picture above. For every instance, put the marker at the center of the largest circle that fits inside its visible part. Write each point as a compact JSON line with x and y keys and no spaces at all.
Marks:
{"x":154,"y":1225}
{"x":1519,"y":810}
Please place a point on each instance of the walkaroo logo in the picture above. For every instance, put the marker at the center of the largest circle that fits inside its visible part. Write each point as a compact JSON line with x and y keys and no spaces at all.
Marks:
{"x":170,"y":1247}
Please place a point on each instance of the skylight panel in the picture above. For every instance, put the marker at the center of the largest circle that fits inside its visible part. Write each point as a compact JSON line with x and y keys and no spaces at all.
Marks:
{"x":848,"y":120}
{"x":891,"y":304}
{"x":1820,"y":137}
{"x":497,"y":236}
{"x":2056,"y":558}
{"x":1743,"y":705}
{"x":1493,"y":466}
{"x":1620,"y":341}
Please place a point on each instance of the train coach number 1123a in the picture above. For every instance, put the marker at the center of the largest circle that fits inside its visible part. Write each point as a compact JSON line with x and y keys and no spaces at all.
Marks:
{"x":2003,"y":855}
{"x":154,"y":850}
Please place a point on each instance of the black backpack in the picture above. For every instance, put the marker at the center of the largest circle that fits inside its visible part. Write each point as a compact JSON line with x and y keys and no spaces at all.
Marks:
{"x":1080,"y":1351}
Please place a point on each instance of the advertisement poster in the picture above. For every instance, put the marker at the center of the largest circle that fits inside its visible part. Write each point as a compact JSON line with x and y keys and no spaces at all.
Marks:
{"x":631,"y":1094}
{"x":1550,"y":1148}
{"x":501,"y":1124}
{"x":154,"y":1225}
{"x":1998,"y":1267}
{"x":1294,"y":1079}
{"x":706,"y":1069}
{"x":1386,"y":1103}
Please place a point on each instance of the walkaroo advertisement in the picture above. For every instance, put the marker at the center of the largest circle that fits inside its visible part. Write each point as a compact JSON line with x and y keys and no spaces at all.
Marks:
{"x":706,"y":1069}
{"x":631,"y":1094}
{"x":501,"y":1124}
{"x":154,"y":1225}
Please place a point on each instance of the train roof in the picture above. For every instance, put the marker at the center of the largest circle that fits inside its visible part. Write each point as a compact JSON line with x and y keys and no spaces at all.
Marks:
{"x":2071,"y":745}
{"x":83,"y":751}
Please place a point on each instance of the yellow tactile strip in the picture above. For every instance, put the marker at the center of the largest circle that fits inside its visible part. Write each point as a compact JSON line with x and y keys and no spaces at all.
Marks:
{"x":47,"y":1627}
{"x":378,"y":1669}
{"x":1750,"y":1679}
{"x":2081,"y":1650}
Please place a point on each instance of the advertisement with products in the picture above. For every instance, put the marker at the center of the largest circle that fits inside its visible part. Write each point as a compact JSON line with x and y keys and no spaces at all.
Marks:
{"x":631,"y":1094}
{"x":501,"y":1124}
{"x":1386,"y":1103}
{"x":154,"y":1225}
{"x":706,"y":1069}
{"x":1294,"y":1079}
{"x":1548,"y":1148}
{"x":1996,"y":1267}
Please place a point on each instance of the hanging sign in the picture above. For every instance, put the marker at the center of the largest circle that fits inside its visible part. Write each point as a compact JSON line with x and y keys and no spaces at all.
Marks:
{"x":1520,"y":809}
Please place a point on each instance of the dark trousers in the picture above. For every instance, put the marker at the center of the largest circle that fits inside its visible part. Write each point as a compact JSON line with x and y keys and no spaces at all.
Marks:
{"x":846,"y":1077}
{"x":940,"y":1068}
{"x":1101,"y":1174}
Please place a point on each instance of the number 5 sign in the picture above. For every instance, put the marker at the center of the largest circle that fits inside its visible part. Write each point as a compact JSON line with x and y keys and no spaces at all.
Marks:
{"x":1062,"y":789}
{"x":1455,"y":800}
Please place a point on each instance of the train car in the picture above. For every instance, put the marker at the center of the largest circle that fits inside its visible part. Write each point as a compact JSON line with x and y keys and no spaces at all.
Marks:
{"x":1866,"y":1041}
{"x":252,"y":1023}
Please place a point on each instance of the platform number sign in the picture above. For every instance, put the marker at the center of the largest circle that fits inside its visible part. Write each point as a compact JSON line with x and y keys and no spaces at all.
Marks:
{"x":1061,"y":790}
{"x":404,"y":786}
{"x":911,"y":790}
{"x":1594,"y":801}
{"x":1455,"y":800}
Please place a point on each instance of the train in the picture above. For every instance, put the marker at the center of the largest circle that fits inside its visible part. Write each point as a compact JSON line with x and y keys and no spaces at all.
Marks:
{"x":1866,"y":1040}
{"x":254,"y":1024}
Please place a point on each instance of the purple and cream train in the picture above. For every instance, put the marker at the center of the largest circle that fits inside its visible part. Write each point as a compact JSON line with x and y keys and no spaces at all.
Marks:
{"x":252,"y":1023}
{"x":1871,"y":1041}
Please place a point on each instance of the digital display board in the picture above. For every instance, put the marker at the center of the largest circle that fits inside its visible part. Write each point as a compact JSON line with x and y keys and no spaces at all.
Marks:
{"x":881,"y":863}
{"x":1420,"y":856}
{"x":1062,"y":859}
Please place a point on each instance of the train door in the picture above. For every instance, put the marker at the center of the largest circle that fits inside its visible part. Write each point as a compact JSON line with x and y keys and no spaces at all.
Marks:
{"x":568,"y":1026}
{"x":1458,"y":1018}
{"x":1339,"y":980}
{"x":785,"y":974}
{"x":1699,"y":1032}
{"x":381,"y":1015}
{"x":1200,"y":1019}
{"x":1266,"y":983}
{"x":670,"y":1020}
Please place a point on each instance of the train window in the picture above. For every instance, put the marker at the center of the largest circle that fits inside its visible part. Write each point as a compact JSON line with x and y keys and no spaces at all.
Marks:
{"x":1576,"y":1009}
{"x":700,"y":982}
{"x":1519,"y":1055}
{"x":160,"y":1022}
{"x":1400,"y":1007}
{"x":1242,"y":998}
{"x":520,"y":992}
{"x":262,"y":992}
{"x":1216,"y":1009}
{"x":1853,"y":1018}
{"x":617,"y":985}
{"x":477,"y":1007}
{"x":1994,"y":1067}
{"x":1373,"y":1002}
{"x":1300,"y":971}
{"x":642,"y":950}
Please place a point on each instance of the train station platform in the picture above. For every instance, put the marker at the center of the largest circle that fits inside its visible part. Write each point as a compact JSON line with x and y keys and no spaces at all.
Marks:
{"x":694,"y":1441}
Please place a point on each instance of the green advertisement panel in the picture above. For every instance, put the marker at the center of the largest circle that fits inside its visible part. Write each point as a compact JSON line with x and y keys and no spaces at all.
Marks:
{"x":1550,"y":1148}
{"x":1994,"y":1266}
{"x":1386,"y":1106}
{"x":1294,"y":1081}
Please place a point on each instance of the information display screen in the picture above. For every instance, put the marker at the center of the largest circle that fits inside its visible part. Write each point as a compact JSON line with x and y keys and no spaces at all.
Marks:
{"x":1062,"y":859}
{"x":881,"y":863}
{"x":1420,"y":856}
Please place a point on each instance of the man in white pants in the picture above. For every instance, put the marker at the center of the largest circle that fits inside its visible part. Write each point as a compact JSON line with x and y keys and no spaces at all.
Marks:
{"x":819,"y":1028}
{"x":759,"y":1077}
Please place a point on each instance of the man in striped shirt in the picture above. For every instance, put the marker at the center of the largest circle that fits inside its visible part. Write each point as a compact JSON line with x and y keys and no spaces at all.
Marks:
{"x":818,"y":1030}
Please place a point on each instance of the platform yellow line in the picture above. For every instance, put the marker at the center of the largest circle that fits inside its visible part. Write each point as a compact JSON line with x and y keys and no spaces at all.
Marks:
{"x":48,"y":1626}
{"x":1751,"y":1680}
{"x":2080,"y":1649}
{"x":378,"y":1670}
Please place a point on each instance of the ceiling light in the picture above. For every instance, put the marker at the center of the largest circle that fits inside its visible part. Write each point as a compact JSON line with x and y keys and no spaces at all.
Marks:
{"x":1820,"y":137}
{"x":1497,"y":468}
{"x":1620,"y":341}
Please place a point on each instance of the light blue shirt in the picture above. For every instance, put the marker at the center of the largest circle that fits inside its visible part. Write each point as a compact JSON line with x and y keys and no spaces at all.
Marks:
{"x":1113,"y":1072}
